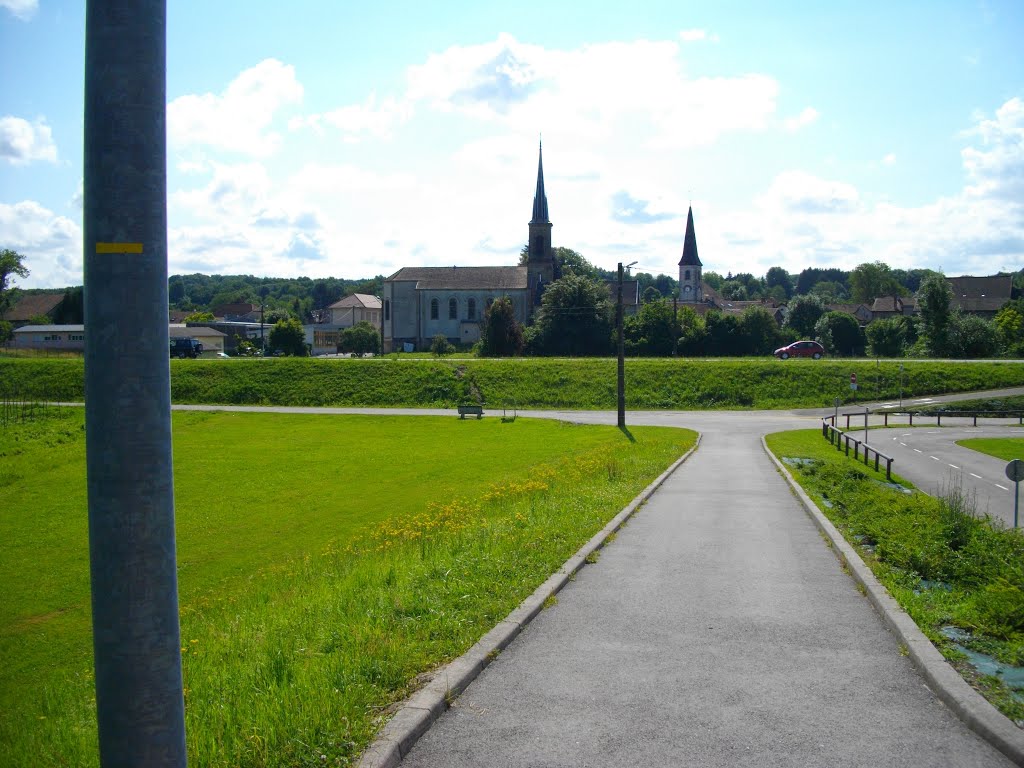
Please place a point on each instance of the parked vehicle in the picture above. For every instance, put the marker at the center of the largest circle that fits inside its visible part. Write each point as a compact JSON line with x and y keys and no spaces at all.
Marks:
{"x":800,"y":349}
{"x":186,"y":347}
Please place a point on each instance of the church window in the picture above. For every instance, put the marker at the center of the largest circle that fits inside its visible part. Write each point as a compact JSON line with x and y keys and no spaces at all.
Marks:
{"x":435,"y":309}
{"x":471,"y":309}
{"x":387,"y":309}
{"x":686,"y":275}
{"x":453,"y":309}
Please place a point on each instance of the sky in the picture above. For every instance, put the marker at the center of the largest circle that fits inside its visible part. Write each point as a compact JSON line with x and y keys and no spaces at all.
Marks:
{"x":317,"y":138}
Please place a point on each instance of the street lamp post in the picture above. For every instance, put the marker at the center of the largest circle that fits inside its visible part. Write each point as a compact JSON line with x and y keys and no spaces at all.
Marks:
{"x":621,"y":351}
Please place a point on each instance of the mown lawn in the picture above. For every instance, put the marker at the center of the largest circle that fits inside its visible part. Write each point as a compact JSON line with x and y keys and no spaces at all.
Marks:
{"x":1006,"y":448}
{"x":324,"y":563}
{"x":956,"y":573}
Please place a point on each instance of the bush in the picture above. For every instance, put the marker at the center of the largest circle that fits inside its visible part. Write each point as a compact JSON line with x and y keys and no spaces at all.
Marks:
{"x":440,"y":346}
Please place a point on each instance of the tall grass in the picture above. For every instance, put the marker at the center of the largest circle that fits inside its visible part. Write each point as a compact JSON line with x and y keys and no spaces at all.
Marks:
{"x":586,"y":383}
{"x":325,"y":565}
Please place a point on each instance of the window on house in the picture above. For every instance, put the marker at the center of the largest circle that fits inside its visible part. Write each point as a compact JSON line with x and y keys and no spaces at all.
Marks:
{"x":435,"y":309}
{"x":387,"y":309}
{"x":471,"y":309}
{"x":453,"y":309}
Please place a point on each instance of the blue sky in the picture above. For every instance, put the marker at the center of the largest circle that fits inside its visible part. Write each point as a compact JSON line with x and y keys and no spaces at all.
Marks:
{"x":321,"y":138}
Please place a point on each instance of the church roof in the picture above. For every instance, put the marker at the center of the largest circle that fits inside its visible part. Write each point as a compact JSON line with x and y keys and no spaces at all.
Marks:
{"x":540,"y":200}
{"x":690,"y":244}
{"x":463,"y":278}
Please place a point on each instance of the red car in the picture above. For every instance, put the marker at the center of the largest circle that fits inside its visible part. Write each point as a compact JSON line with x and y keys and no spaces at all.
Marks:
{"x":801,"y":349}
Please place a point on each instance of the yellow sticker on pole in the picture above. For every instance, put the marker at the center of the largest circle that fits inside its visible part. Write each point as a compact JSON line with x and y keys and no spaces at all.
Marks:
{"x":118,"y":247}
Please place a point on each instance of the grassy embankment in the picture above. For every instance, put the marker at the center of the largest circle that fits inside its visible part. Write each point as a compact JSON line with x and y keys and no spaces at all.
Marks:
{"x":585,"y":383}
{"x":944,"y":565}
{"x":324,"y":563}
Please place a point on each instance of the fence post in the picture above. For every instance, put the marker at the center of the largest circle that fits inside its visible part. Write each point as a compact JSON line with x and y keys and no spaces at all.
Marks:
{"x":888,"y":469}
{"x":877,"y":457}
{"x":886,"y":416}
{"x":911,"y":418}
{"x":938,"y":419}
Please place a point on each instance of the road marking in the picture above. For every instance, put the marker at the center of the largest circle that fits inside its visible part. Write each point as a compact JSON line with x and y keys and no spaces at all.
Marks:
{"x":997,"y":485}
{"x":934,"y":457}
{"x":918,"y":450}
{"x":954,"y":466}
{"x":903,"y":444}
{"x":906,"y":434}
{"x":974,"y":475}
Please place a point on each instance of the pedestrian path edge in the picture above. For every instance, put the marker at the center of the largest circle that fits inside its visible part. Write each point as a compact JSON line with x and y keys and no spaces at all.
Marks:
{"x":969,"y":705}
{"x":425,"y":706}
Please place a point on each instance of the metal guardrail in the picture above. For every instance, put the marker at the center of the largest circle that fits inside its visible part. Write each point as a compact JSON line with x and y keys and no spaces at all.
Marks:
{"x":839,"y":439}
{"x":937,"y":415}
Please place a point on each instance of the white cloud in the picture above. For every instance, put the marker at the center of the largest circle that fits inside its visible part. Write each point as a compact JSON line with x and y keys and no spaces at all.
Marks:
{"x":996,"y":169}
{"x":22,"y":142}
{"x":807,"y":116}
{"x":593,"y":92}
{"x":241,"y":118}
{"x":357,"y":121}
{"x":21,"y":9}
{"x":889,"y":159}
{"x":51,"y":244}
{"x":696,"y":35}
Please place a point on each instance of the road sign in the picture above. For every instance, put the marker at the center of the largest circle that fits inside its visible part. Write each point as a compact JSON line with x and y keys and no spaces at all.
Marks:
{"x":1015,"y":471}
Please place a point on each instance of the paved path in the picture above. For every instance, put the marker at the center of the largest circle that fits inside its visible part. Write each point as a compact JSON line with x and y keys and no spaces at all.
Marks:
{"x":717,"y":630}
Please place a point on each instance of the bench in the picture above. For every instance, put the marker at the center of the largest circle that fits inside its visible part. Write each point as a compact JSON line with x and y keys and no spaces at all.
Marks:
{"x":471,"y":410}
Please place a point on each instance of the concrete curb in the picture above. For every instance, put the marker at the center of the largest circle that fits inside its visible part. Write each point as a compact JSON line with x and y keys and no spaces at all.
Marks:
{"x":421,"y":709}
{"x":969,"y":705}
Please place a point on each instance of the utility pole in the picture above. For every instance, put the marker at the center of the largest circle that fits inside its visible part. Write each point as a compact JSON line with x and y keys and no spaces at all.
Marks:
{"x":136,"y":636}
{"x":622,"y":352}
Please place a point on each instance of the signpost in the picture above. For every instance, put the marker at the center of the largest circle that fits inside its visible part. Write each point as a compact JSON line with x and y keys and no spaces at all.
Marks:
{"x":1015,"y":471}
{"x":901,"y":386}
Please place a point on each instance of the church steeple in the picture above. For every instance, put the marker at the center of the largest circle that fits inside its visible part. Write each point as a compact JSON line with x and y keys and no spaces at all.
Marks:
{"x":690,"y":288}
{"x":540,"y":200}
{"x":540,"y":261}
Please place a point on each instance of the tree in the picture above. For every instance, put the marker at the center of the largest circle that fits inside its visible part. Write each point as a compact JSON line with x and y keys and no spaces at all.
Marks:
{"x":811,"y":276}
{"x":12,"y":264}
{"x":887,"y":337}
{"x":71,"y":309}
{"x":933,"y":301}
{"x":650,"y":294}
{"x":360,"y":339}
{"x":200,"y":317}
{"x":804,"y":313}
{"x":869,"y":281}
{"x":830,"y":292}
{"x":757,"y":333}
{"x":502,"y":335}
{"x":575,"y":318}
{"x":652,"y":331}
{"x":840,"y":334}
{"x":720,"y":331}
{"x":778,"y":277}
{"x":692,"y":333}
{"x":972,"y":337}
{"x":1009,"y":323}
{"x":6,"y":331}
{"x":440,"y":346}
{"x":567,"y":262}
{"x":289,"y":337}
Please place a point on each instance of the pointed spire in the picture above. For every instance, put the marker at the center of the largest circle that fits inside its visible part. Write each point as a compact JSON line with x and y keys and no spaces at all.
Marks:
{"x":690,"y":244}
{"x":540,"y":200}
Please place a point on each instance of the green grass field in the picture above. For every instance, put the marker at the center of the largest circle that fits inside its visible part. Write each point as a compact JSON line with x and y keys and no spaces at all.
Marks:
{"x":944,"y":564}
{"x":324,"y":563}
{"x":580,"y":383}
{"x":1006,"y":448}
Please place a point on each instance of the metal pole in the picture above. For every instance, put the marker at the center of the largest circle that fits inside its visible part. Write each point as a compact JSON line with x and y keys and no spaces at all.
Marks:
{"x":136,"y":637}
{"x":1016,"y":501}
{"x":622,"y":355}
{"x":901,"y":386}
{"x":865,"y":425}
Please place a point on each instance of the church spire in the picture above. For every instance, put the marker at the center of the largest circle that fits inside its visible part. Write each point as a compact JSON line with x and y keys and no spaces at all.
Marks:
{"x":540,"y":200}
{"x":689,"y":258}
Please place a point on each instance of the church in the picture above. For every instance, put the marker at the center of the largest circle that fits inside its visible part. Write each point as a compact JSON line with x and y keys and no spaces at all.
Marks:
{"x":421,"y":302}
